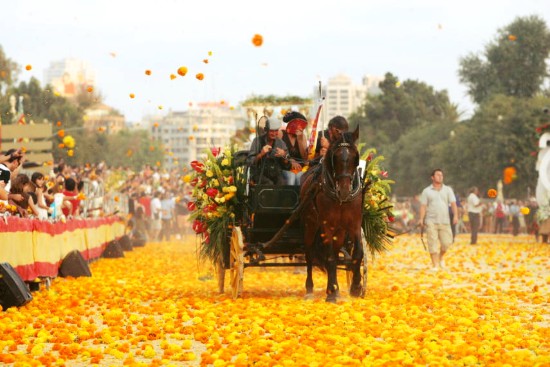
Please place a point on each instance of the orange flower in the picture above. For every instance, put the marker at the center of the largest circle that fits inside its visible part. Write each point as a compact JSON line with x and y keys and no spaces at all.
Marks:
{"x":199,"y":76}
{"x":173,"y":76}
{"x":147,"y":72}
{"x":28,"y":67}
{"x":132,"y":95}
{"x":151,"y":148}
{"x":61,"y":133}
{"x":116,"y":198}
{"x":257,"y":40}
{"x":58,"y":123}
{"x":156,"y":124}
{"x":205,"y":61}
{"x":511,"y":37}
{"x":61,"y":145}
{"x":101,"y":129}
{"x":158,"y":163}
{"x":182,"y":70}
{"x":90,"y":89}
{"x":492,"y":193}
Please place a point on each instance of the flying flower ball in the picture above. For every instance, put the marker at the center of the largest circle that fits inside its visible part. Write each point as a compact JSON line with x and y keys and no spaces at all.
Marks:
{"x":182,"y":70}
{"x":132,"y":95}
{"x":257,"y":40}
{"x":173,"y":76}
{"x":28,"y":67}
{"x":525,"y":210}
{"x":147,"y":72}
{"x":199,"y":76}
{"x":69,"y":141}
{"x":90,"y":89}
{"x":492,"y":193}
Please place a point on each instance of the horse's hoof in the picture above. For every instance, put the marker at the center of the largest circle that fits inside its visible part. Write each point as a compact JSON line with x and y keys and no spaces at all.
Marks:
{"x":308,"y":296}
{"x":331,"y":299}
{"x":356,"y":291}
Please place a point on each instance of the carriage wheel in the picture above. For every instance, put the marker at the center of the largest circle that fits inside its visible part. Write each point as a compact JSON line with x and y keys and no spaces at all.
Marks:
{"x":220,"y":270}
{"x":237,"y":262}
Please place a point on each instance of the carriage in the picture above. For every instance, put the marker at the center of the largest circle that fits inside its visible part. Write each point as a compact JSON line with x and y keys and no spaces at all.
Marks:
{"x":244,"y":225}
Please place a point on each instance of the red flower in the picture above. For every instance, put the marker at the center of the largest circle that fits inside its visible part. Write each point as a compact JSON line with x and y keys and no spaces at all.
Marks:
{"x":194,"y":181}
{"x":191,"y":206}
{"x":212,"y":192}
{"x":384,"y":174}
{"x":391,"y":218}
{"x":197,"y":166}
{"x":215,"y":151}
{"x":370,"y":156}
{"x":199,"y":226}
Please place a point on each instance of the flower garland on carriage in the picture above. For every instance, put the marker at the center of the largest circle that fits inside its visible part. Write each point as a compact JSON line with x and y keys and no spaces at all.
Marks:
{"x":218,"y":190}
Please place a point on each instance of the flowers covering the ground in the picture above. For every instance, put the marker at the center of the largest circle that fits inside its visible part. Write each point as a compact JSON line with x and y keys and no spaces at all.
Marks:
{"x":377,"y":208}
{"x":156,"y":307}
{"x":218,"y":187}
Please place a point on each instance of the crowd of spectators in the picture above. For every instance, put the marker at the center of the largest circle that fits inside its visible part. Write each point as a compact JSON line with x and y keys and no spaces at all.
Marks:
{"x":497,"y":216}
{"x":153,"y":201}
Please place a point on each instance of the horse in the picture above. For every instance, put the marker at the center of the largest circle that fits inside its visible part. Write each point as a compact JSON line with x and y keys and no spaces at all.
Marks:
{"x":333,"y":215}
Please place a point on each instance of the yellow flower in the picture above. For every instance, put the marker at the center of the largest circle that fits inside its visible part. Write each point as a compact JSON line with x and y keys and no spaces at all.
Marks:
{"x":209,"y":173}
{"x":187,"y":178}
{"x":225,"y":162}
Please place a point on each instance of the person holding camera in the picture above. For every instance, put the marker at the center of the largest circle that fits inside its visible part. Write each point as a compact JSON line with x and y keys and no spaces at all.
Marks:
{"x":268,"y":156}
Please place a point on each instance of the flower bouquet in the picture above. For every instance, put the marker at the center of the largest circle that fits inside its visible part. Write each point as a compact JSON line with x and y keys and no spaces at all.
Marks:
{"x":218,"y":190}
{"x":377,"y":208}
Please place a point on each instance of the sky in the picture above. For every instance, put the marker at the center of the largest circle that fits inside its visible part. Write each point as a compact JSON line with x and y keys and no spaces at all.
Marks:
{"x":304,"y":42}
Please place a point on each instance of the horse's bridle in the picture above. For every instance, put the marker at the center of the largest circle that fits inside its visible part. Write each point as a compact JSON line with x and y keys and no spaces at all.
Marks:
{"x":330,"y":181}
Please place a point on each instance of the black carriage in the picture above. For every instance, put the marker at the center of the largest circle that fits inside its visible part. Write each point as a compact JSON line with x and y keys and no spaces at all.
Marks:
{"x":269,"y":230}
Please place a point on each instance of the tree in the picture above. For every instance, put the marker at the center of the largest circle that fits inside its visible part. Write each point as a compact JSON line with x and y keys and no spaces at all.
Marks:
{"x":514,"y":64}
{"x":401,"y":107}
{"x":9,"y":71}
{"x":500,"y":134}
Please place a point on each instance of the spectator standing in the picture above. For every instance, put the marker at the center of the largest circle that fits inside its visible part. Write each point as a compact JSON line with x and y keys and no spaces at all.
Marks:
{"x":500,"y":216}
{"x":156,"y":212}
{"x":167,"y":215}
{"x":474,"y":214}
{"x":434,"y":215}
{"x":514,"y":214}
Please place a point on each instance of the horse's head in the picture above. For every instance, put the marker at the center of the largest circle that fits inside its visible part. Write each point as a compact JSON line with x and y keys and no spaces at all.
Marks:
{"x":341,"y":161}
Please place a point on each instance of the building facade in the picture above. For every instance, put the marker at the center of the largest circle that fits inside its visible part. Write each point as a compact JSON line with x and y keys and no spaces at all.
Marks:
{"x":69,"y":77}
{"x":343,"y":97}
{"x":185,"y":136}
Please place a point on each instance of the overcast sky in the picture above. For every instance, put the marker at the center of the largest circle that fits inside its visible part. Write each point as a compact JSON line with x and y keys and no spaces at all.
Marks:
{"x":304,"y":42}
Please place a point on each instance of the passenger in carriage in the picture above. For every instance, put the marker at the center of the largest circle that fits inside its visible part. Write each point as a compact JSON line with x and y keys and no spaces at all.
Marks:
{"x":296,"y":141}
{"x":268,"y":156}
{"x":336,"y":127}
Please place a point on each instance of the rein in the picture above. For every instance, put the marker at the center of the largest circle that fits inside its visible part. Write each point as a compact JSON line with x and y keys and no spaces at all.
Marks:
{"x":329,"y":179}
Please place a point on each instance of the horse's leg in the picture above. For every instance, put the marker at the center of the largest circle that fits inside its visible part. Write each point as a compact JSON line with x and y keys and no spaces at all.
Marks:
{"x":309,"y":278}
{"x":332,"y":282}
{"x":356,"y":289}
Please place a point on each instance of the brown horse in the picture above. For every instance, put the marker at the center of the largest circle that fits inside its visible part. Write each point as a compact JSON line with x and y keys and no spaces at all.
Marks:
{"x":332,"y":217}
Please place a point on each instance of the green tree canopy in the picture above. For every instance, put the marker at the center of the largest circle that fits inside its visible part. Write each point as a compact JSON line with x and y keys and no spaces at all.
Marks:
{"x":401,"y":107}
{"x":9,"y":71}
{"x":514,"y":64}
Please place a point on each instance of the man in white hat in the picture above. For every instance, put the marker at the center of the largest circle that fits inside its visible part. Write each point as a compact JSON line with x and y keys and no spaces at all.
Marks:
{"x":268,"y":155}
